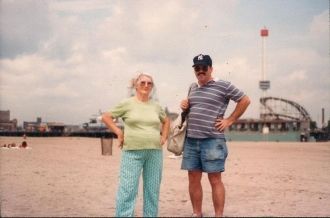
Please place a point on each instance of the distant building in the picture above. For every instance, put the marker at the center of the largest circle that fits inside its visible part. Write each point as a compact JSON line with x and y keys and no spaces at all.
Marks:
{"x":4,"y":116}
{"x":56,"y":127}
{"x":5,"y":123}
{"x":72,"y":128}
{"x":31,"y":126}
{"x":39,"y":126}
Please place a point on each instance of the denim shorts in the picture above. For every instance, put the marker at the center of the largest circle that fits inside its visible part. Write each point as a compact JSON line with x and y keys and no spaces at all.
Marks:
{"x":206,"y":155}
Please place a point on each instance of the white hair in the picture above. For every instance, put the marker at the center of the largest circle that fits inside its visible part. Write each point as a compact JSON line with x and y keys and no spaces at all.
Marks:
{"x":134,"y":82}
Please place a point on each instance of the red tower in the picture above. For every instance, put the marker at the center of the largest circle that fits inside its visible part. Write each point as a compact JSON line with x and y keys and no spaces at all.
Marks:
{"x":264,"y":32}
{"x":263,"y":84}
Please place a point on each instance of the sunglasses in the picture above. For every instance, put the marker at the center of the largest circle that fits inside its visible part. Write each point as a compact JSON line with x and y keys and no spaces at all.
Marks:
{"x":145,"y":83}
{"x":201,"y":68}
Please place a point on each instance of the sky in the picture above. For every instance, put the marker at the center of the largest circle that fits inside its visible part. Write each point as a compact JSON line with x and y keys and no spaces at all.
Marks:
{"x":66,"y":60}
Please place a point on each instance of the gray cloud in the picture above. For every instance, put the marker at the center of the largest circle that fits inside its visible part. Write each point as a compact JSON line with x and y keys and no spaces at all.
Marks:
{"x":24,"y":25}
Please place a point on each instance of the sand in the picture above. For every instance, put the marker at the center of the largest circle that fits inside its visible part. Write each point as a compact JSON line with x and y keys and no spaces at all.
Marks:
{"x":70,"y":177}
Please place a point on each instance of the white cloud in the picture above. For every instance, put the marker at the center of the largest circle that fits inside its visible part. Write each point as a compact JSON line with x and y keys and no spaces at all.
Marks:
{"x":79,"y":6}
{"x":319,"y":27}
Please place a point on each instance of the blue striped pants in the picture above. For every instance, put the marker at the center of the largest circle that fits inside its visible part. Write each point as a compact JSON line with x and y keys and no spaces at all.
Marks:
{"x":149,"y":162}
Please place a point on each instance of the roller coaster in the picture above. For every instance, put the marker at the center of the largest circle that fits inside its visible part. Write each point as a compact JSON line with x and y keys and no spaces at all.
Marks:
{"x":282,"y":118}
{"x":280,"y":108}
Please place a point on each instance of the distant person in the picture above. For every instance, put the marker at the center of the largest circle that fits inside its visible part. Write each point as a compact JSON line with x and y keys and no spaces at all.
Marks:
{"x":24,"y":144}
{"x":205,"y":148}
{"x":141,"y":143}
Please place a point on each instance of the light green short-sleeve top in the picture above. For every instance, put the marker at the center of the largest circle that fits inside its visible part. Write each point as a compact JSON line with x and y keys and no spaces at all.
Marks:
{"x":142,"y":123}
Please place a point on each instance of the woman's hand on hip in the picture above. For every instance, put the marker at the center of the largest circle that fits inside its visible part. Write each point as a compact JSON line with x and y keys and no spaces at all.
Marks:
{"x":120,"y":137}
{"x":162,"y":141}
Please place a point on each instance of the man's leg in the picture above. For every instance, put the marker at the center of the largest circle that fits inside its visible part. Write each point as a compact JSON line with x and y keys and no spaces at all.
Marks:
{"x":192,"y":162}
{"x":218,"y":193}
{"x":196,"y":191}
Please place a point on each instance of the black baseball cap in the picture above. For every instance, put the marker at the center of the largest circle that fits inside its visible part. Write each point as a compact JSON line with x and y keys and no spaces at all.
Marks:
{"x":202,"y":60}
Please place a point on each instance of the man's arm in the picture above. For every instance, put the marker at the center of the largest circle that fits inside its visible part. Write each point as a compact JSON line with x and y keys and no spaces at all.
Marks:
{"x":221,"y":124}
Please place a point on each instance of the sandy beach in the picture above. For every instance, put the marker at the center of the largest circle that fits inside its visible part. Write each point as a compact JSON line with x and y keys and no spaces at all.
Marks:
{"x":69,"y":177}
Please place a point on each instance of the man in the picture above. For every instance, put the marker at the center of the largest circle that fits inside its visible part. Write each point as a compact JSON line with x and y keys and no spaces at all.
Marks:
{"x":205,"y":148}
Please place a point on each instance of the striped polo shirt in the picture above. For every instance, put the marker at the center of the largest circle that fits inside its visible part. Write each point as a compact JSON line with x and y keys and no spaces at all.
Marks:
{"x":207,"y":103}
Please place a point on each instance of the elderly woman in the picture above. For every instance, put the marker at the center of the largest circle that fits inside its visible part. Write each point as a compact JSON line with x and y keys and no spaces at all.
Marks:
{"x":141,"y":143}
